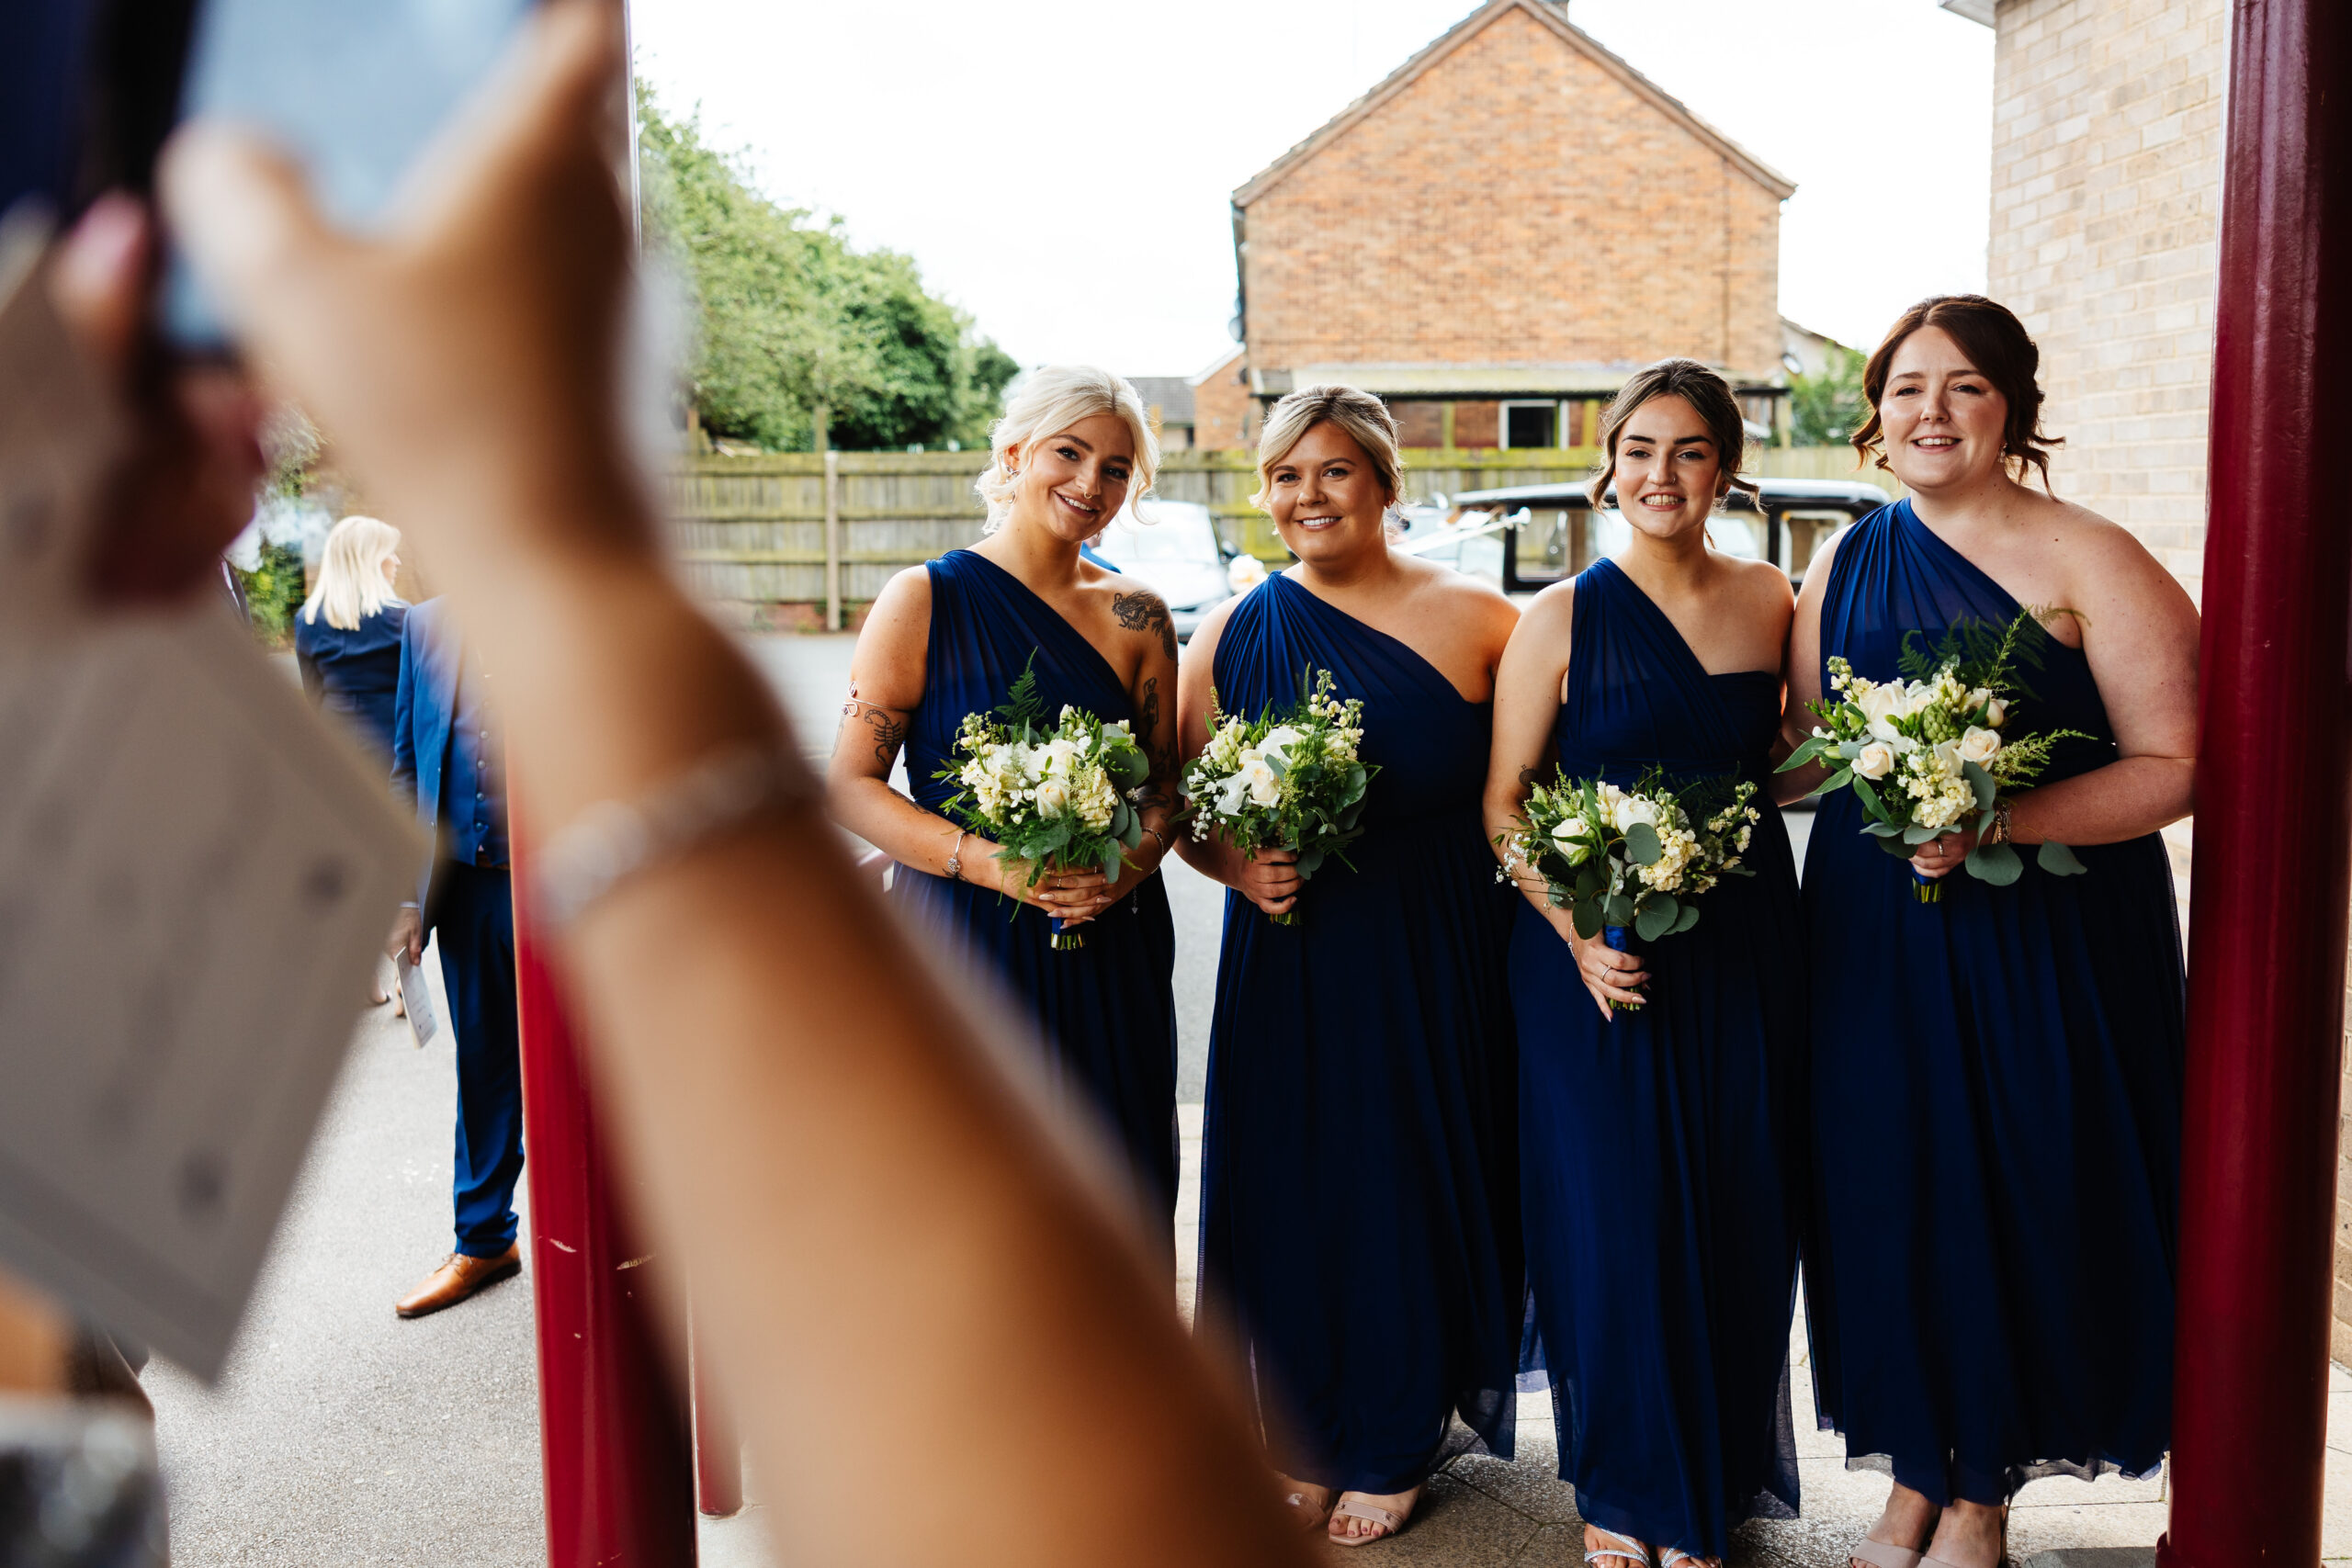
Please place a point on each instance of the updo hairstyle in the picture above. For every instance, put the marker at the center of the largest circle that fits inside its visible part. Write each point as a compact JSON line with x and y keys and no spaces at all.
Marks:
{"x":1707,"y":393}
{"x":1365,"y":418}
{"x":1996,"y":344}
{"x":1050,"y":401}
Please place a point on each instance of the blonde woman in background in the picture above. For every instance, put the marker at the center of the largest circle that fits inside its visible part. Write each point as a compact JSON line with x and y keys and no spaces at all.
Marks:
{"x":347,"y":634}
{"x":1359,"y":1198}
{"x":950,"y":639}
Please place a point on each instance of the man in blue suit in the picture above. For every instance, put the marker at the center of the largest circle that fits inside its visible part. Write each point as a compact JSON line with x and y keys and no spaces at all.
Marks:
{"x":448,"y":761}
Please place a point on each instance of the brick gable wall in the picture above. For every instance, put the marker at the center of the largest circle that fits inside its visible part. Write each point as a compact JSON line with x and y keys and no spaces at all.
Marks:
{"x":1517,"y":203}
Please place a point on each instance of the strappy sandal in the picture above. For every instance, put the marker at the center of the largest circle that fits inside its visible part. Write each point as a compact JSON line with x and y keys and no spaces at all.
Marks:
{"x":1884,"y":1554}
{"x":1642,"y":1557}
{"x":1674,"y":1557}
{"x":1391,"y":1521}
{"x":2000,"y":1561}
{"x":1308,"y":1515}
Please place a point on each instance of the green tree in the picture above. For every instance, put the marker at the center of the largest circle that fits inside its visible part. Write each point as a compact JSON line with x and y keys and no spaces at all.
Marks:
{"x":1824,"y":409}
{"x":802,"y":340}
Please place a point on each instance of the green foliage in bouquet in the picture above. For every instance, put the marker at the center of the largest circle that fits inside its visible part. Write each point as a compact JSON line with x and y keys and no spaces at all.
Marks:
{"x":1287,"y":780}
{"x":1056,"y":795}
{"x":1933,"y":753}
{"x":1637,"y":859}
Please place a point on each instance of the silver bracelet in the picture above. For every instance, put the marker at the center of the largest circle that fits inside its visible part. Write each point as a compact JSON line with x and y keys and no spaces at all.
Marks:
{"x":613,"y":840}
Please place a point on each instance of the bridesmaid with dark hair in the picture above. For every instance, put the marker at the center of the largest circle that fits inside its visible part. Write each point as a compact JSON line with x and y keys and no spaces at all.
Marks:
{"x":951,"y":639}
{"x":1359,"y":1232}
{"x":1661,"y":1150}
{"x":1996,"y":1077}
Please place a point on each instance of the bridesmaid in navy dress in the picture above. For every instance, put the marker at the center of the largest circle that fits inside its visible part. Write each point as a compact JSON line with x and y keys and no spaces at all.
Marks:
{"x":1660,"y":1150}
{"x":1996,"y":1076}
{"x":1359,"y":1232}
{"x":951,"y":639}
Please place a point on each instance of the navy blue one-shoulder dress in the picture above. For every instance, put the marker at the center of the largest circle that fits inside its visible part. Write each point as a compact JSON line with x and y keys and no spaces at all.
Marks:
{"x":1661,"y":1154}
{"x":1997,"y":1083}
{"x":1106,"y":1010}
{"x":1359,"y":1222}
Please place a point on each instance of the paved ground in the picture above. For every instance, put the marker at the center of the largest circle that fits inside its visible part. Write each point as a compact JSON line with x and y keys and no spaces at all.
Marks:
{"x":340,"y":1436}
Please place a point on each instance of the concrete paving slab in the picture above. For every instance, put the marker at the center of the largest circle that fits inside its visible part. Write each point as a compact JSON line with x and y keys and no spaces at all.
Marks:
{"x":2094,"y":1557}
{"x":1456,"y":1525}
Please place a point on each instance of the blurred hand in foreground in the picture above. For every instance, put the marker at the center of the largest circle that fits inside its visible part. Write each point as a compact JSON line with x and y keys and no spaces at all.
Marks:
{"x":184,"y":486}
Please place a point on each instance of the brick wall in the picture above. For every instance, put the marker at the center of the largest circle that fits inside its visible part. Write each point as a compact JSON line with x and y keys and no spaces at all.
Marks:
{"x":1223,"y":413}
{"x":1491,"y":212}
{"x":2106,"y":211}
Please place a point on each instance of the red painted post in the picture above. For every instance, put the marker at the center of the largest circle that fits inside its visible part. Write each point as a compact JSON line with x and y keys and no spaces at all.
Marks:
{"x":613,"y":1424}
{"x":2274,"y":815}
{"x":719,"y":1452}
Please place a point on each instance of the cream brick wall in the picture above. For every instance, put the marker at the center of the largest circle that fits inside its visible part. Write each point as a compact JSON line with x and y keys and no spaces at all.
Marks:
{"x":2106,"y":211}
{"x":1499,"y":211}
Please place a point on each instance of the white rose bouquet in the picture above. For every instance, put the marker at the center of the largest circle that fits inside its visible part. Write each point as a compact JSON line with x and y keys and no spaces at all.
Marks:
{"x":1933,"y":753}
{"x":1056,"y":797}
{"x":1635,"y":860}
{"x":1285,"y":781}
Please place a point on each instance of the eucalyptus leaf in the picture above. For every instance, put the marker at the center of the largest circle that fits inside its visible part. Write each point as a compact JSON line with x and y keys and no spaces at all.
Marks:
{"x":1309,"y":862}
{"x":2058,"y":859}
{"x":1808,"y":749}
{"x":1996,"y":863}
{"x":1641,"y":846}
{"x":1879,"y":829}
{"x":1833,"y":783}
{"x":1892,"y":844}
{"x":1687,"y":919}
{"x":1586,"y":916}
{"x":1868,"y":797}
{"x":1617,"y":909}
{"x":1981,"y":781}
{"x":1277,"y":765}
{"x":1849,"y":749}
{"x":1656,"y":917}
{"x":1918,"y":833}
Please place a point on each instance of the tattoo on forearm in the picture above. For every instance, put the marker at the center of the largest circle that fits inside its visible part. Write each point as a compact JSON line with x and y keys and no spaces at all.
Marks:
{"x":1530,"y":776}
{"x":1146,"y":611}
{"x":1163,"y":756}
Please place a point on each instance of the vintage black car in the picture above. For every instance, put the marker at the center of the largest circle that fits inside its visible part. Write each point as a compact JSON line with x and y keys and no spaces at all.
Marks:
{"x":1549,"y":533}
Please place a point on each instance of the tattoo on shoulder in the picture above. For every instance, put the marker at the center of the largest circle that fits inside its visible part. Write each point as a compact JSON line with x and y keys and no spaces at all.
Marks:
{"x":1143,"y":611}
{"x":889,"y":733}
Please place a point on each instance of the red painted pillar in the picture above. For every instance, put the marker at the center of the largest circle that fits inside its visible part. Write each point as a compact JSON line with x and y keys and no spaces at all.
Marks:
{"x":613,"y":1422}
{"x":2273,"y":814}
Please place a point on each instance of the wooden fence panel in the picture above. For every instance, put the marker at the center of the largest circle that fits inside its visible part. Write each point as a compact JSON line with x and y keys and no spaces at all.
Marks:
{"x":750,"y":531}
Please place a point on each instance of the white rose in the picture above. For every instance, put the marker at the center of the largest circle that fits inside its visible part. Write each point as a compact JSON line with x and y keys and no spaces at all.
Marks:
{"x":1948,"y":758}
{"x":1995,"y":711}
{"x":1568,"y":832}
{"x":1883,"y":728}
{"x":1053,"y":798}
{"x":1635,"y":809}
{"x":1978,"y":745}
{"x":1259,"y":778}
{"x":1874,"y":760}
{"x":1881,"y":704}
{"x":1279,"y":740}
{"x":1978,"y":697}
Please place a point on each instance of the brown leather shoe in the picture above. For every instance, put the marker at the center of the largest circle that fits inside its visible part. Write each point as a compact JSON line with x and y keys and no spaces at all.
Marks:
{"x":458,"y":1277}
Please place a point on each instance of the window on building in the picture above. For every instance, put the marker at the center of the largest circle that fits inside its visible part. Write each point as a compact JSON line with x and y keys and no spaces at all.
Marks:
{"x":1531,"y":424}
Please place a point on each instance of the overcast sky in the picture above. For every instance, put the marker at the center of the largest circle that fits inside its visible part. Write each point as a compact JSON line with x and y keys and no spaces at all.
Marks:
{"x":1062,"y":168}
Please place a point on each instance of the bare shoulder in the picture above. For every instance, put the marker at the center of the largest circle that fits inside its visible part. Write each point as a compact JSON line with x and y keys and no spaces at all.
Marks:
{"x":1200,"y":646}
{"x":1467,"y":597}
{"x":902,"y":609}
{"x":1551,"y":613}
{"x":2102,"y":559}
{"x":1760,"y":583}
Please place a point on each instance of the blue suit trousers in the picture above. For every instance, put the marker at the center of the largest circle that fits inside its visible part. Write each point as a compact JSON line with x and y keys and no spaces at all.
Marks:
{"x":475,"y":924}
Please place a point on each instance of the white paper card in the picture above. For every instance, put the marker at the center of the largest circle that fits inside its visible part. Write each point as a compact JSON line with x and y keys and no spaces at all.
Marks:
{"x":196,"y":878}
{"x":416,"y":999}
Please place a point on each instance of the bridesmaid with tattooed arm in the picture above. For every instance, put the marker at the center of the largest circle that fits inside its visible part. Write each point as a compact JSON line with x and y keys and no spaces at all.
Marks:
{"x":951,"y":639}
